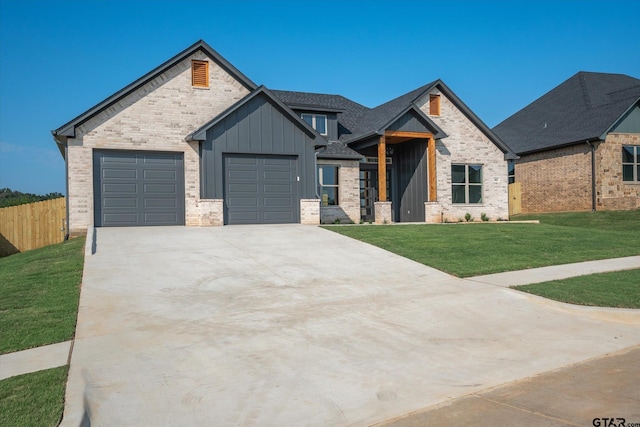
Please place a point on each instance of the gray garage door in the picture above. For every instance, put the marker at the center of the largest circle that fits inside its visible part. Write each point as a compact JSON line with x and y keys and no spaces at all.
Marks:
{"x":135,"y":188}
{"x":260,"y":189}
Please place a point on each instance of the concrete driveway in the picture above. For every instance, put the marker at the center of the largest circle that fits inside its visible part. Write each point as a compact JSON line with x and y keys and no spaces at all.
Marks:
{"x":296,"y":325}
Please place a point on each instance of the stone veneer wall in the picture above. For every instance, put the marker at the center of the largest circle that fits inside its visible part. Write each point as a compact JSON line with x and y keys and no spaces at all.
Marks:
{"x":467,"y":144}
{"x":157,"y":116}
{"x":310,"y":211}
{"x":556,"y":180}
{"x":612,"y":192}
{"x":348,"y":209}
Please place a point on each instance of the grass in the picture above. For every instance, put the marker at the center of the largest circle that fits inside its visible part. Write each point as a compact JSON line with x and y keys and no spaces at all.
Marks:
{"x":39,"y":295}
{"x":485,"y":248}
{"x":618,"y":289}
{"x":35,"y":399}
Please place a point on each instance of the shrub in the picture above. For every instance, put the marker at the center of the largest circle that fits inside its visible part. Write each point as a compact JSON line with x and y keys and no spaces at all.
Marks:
{"x":468,"y":217}
{"x":484,"y":217}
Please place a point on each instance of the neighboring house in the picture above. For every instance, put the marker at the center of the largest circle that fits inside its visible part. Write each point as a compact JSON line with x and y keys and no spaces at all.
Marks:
{"x":196,"y":142}
{"x":579,"y":145}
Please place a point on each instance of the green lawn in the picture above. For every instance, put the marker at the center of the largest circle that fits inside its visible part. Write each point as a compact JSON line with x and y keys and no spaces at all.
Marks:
{"x":39,"y":295}
{"x":35,"y":399}
{"x":466,"y":250}
{"x":617,"y":289}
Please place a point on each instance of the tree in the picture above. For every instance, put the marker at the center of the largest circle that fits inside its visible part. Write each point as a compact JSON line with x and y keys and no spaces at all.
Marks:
{"x":9,"y":197}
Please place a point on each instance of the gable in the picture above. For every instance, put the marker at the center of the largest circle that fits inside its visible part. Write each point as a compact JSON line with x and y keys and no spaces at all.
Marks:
{"x":630,"y":122}
{"x":221,"y":72}
{"x":409,"y":122}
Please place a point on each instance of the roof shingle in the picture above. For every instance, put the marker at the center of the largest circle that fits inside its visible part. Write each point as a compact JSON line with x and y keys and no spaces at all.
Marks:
{"x":579,"y":109}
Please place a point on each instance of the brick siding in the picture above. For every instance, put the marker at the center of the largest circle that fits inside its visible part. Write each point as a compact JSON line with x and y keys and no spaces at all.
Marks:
{"x":466,"y":144}
{"x":612,"y":192}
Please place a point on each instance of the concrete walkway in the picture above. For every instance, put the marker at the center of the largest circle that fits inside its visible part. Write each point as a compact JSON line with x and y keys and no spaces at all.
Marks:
{"x":558,"y":272}
{"x":573,"y":396}
{"x":35,"y":359}
{"x":296,"y":325}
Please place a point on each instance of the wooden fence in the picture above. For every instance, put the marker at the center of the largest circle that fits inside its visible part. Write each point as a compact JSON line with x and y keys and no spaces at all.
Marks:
{"x":515,"y":198}
{"x":32,"y":226}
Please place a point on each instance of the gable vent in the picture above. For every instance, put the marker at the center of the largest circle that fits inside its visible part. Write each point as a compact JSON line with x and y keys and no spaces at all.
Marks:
{"x":200,"y":73}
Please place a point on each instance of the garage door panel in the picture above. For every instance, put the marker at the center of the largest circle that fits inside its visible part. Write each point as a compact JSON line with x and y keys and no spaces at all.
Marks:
{"x":157,"y":202}
{"x":278,"y":217}
{"x":260,"y":189}
{"x":160,"y":189}
{"x":119,"y":158}
{"x":278,"y":188}
{"x":155,"y":159}
{"x":120,"y":202}
{"x":242,"y":160}
{"x":277,"y":202}
{"x":119,"y":188}
{"x":169,"y":175}
{"x":120,"y":218}
{"x":136,"y":188}
{"x":277,"y":176}
{"x":243,"y":202}
{"x":160,"y":218}
{"x":120,"y":174}
{"x":278,"y":161}
{"x":248,"y":175}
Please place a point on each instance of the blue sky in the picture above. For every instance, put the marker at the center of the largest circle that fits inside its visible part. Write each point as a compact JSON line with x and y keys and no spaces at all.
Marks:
{"x":59,"y":58}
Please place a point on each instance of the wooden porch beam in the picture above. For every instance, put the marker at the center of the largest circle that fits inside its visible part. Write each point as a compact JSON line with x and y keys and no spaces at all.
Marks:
{"x":431,"y":160}
{"x":382,"y":169}
{"x":404,"y":134}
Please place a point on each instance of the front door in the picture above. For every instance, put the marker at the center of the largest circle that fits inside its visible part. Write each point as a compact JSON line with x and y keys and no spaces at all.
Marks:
{"x":369,"y":190}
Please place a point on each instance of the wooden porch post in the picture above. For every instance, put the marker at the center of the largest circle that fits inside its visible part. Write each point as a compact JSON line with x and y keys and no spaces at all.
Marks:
{"x":382,"y":170}
{"x":431,"y":154}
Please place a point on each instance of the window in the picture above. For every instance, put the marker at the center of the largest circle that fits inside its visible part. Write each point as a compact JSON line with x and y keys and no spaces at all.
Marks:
{"x":328,"y":184}
{"x":631,"y":163}
{"x":466,"y":184}
{"x":434,"y":105}
{"x":200,"y":73}
{"x":316,"y":121}
{"x":511,"y":171}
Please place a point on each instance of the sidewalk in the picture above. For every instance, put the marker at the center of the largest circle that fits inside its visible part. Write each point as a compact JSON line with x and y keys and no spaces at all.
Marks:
{"x":34,"y":359}
{"x":605,"y":387}
{"x":557,"y":272}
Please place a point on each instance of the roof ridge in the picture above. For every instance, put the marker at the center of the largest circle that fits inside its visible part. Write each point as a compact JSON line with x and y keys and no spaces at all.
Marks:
{"x":585,"y":91}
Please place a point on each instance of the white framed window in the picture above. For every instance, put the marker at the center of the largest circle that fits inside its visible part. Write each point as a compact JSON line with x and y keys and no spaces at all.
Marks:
{"x":328,"y":184}
{"x":511,"y":171}
{"x":631,"y":163}
{"x":466,"y":184}
{"x":316,"y":121}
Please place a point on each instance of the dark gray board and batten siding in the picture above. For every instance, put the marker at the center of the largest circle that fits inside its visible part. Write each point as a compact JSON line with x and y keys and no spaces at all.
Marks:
{"x":410,"y":160}
{"x":258,"y":128}
{"x":409,"y":122}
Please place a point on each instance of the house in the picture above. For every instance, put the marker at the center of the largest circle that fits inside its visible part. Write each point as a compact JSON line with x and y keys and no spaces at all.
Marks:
{"x":195,"y":142}
{"x":579,"y":145}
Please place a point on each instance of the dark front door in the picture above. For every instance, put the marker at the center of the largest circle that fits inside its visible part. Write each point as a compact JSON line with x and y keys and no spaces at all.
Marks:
{"x":411,"y":165}
{"x":260,"y":189}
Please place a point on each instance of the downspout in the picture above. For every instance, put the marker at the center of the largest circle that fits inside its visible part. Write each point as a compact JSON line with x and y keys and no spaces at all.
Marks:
{"x":593,"y":175}
{"x":66,"y":188}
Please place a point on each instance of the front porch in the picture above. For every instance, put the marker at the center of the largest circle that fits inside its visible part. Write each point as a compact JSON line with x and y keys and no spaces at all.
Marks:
{"x":398,"y":177}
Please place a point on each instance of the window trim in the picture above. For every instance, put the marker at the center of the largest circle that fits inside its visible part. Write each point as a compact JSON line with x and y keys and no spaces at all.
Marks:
{"x":314,"y":121}
{"x":468,"y":184}
{"x":434,"y":99}
{"x":635,"y":164}
{"x":195,"y":79}
{"x":321,"y":185}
